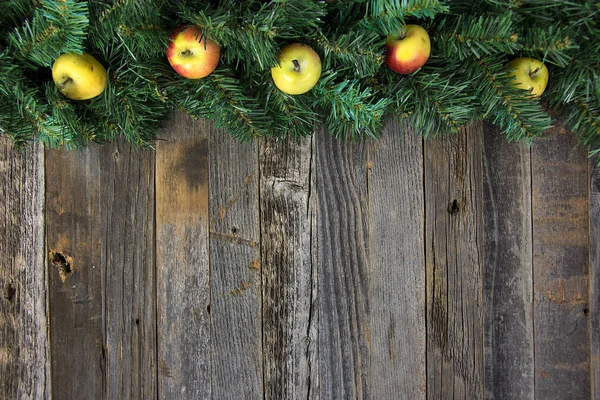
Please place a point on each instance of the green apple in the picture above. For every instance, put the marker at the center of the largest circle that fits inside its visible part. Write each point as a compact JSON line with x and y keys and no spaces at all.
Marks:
{"x":529,"y":74}
{"x":299,"y":69}
{"x":409,"y":50}
{"x":191,"y":54}
{"x":79,"y":76}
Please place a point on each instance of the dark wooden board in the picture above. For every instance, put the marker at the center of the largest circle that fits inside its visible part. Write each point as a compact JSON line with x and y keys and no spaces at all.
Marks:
{"x":74,"y":239}
{"x":342,"y":253}
{"x":128,"y":271}
{"x":508,"y":271}
{"x":24,"y":339}
{"x":235,"y":268}
{"x":561,"y":266}
{"x":287,"y":214}
{"x":396,"y":271}
{"x":594,"y":308}
{"x":454,"y":265}
{"x":182,"y":260}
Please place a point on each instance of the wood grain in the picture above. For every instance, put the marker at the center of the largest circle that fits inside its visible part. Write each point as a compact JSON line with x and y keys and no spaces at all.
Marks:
{"x":128,"y":271}
{"x":397,"y":265}
{"x":594,"y":309}
{"x":454,"y":265}
{"x":235,"y":268}
{"x":560,"y":263}
{"x":73,"y":237}
{"x":508,"y":272}
{"x":343,"y":269}
{"x":182,"y":260}
{"x":24,"y":339}
{"x":287,"y":213}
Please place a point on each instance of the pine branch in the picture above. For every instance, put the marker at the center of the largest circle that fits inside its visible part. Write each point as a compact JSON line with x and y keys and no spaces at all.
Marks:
{"x":554,"y":42}
{"x":388,"y":17}
{"x":291,"y":116}
{"x":253,"y":36}
{"x":220,"y":98}
{"x":134,"y":27}
{"x":361,"y":53}
{"x":465,"y":36}
{"x":517,"y":113}
{"x":437,"y":99}
{"x":56,"y":27}
{"x":354,"y":112}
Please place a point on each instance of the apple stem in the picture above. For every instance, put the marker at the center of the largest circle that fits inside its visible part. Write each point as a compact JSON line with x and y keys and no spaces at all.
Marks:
{"x":296,"y":65}
{"x":534,"y":72}
{"x":65,"y":83}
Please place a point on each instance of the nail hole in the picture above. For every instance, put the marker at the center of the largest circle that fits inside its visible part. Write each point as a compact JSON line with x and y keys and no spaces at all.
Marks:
{"x":9,"y":292}
{"x":62,"y":263}
{"x":234,"y":230}
{"x":586,"y":311}
{"x":453,"y":208}
{"x":137,"y":321}
{"x":208,"y":308}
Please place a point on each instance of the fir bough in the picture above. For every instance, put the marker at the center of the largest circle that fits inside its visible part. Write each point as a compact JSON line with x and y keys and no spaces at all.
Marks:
{"x":464,"y":80}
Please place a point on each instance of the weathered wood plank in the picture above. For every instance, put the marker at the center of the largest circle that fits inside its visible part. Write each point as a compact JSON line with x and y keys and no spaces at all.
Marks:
{"x":235,"y":281}
{"x":73,"y":237}
{"x":342,"y":253}
{"x":287,"y":212}
{"x":397,"y":266}
{"x":594,"y":309}
{"x":24,"y":340}
{"x":560,"y":263}
{"x":182,"y":263}
{"x":128,"y":271}
{"x":454,"y":262}
{"x":508,"y":272}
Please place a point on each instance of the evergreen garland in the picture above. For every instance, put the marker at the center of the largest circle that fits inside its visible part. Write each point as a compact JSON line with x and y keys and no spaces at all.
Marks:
{"x":465,"y":78}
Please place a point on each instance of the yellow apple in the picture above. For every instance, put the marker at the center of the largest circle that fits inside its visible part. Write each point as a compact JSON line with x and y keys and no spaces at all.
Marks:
{"x":191,"y":54}
{"x":79,"y":76}
{"x":299,"y":69}
{"x":409,"y":50}
{"x":529,"y":74}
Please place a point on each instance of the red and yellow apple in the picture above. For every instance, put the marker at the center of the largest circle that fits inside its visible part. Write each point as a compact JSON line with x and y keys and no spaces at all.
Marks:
{"x":529,"y":74}
{"x":78,"y":76}
{"x":191,"y":54}
{"x":299,"y":69}
{"x":409,"y":50}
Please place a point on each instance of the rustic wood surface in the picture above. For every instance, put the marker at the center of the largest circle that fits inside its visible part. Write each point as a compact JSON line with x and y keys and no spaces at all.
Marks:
{"x":462,"y":267}
{"x":454,"y":265}
{"x":508,"y":269}
{"x":594,"y":308}
{"x":24,"y":338}
{"x":560,"y":214}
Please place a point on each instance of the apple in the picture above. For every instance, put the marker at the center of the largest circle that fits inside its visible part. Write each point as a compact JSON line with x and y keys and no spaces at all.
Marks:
{"x":191,"y":54}
{"x":78,"y":76}
{"x":299,"y":69}
{"x":409,"y":50}
{"x":529,"y":74}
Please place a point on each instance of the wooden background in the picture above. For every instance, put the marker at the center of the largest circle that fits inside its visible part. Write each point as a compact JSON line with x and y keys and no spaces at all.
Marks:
{"x":459,"y":268}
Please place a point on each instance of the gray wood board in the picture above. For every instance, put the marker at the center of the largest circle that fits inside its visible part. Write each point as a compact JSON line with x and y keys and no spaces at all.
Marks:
{"x":343,"y":286}
{"x":287,"y":213}
{"x":73,"y":237}
{"x":182,"y":260}
{"x":396,"y":272}
{"x":508,"y":272}
{"x":454,"y":265}
{"x":561,"y":266}
{"x":594,"y":309}
{"x":24,"y":339}
{"x":128,"y":271}
{"x":235,"y":268}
